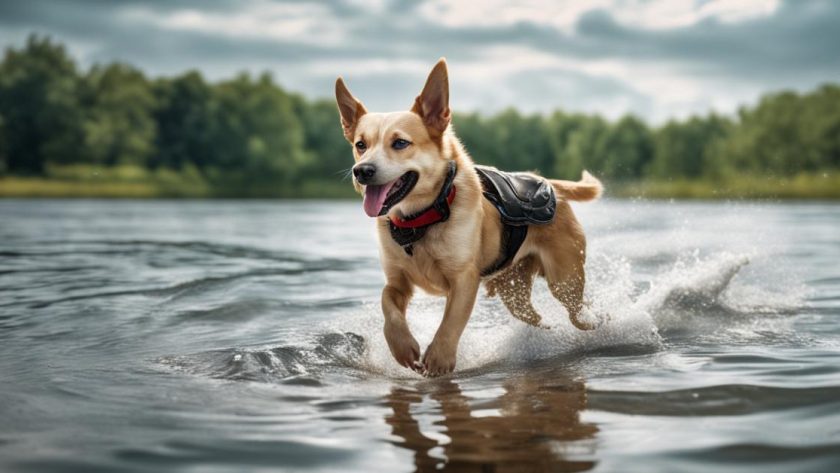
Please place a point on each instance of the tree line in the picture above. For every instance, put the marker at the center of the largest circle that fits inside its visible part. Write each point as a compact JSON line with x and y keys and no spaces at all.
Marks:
{"x":249,"y":129}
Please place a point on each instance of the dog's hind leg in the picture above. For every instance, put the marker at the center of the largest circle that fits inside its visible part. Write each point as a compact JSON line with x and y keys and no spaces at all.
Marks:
{"x":514,"y":288}
{"x":564,"y":273}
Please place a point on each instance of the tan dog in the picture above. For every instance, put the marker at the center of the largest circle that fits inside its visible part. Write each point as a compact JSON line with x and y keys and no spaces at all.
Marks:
{"x":402,"y":163}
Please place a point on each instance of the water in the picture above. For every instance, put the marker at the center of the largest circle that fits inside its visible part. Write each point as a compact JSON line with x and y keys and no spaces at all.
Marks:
{"x":246,"y":336}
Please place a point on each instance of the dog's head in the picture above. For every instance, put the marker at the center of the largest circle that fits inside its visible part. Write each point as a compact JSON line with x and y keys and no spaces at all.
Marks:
{"x":400,"y":162}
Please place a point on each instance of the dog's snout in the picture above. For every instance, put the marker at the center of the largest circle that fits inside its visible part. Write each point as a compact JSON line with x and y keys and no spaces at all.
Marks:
{"x":364,"y":172}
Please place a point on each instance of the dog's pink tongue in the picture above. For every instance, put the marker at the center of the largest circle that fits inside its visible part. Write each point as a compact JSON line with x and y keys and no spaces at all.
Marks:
{"x":375,"y":197}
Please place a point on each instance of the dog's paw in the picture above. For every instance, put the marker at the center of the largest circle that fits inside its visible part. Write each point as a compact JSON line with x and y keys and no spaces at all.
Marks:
{"x":404,"y":347}
{"x":585,"y":325}
{"x":439,"y":359}
{"x":407,"y":354}
{"x":588,"y":320}
{"x":592,"y":322}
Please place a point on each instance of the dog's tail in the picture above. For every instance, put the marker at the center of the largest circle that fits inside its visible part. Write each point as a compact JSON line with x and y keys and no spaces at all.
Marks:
{"x":587,"y":188}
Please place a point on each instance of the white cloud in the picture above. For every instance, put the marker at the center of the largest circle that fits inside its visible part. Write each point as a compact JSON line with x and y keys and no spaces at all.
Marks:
{"x":664,"y":14}
{"x":262,"y":19}
{"x":459,"y":13}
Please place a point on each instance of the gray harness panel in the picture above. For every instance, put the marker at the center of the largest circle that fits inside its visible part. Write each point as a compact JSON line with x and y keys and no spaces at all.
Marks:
{"x":521,"y":198}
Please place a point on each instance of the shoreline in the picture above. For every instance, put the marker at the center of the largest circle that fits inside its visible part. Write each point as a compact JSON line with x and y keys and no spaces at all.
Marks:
{"x":133,"y":183}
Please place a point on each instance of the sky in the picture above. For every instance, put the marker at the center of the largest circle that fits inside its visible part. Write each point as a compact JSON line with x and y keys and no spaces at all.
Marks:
{"x":656,"y":59}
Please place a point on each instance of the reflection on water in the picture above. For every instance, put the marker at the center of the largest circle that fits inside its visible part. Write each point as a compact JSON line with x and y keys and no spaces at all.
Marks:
{"x":534,"y":425}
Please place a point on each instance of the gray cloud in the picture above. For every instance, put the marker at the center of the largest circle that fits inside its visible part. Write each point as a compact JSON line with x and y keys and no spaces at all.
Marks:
{"x":800,"y":38}
{"x":794,"y":47}
{"x":576,"y":91}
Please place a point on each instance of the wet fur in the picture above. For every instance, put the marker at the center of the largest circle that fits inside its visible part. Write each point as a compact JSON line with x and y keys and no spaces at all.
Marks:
{"x":448,"y":260}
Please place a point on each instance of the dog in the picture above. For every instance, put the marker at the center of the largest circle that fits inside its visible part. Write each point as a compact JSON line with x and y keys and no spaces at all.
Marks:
{"x":445,"y":225}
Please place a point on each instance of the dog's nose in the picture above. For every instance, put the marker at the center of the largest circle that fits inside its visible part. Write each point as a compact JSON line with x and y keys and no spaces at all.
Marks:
{"x":364,"y":172}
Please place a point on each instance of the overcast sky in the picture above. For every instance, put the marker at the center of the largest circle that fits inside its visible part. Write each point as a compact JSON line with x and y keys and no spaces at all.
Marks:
{"x":658,"y":59}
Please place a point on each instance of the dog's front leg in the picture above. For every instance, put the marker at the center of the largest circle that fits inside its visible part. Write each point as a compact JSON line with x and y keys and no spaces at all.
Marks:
{"x":439,"y":358}
{"x":404,"y":347}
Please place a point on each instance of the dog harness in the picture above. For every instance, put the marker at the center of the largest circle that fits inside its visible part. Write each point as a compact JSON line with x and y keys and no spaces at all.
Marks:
{"x":522,"y":200}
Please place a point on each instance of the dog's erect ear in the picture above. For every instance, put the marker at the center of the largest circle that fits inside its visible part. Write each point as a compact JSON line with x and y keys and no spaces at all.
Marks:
{"x":349,"y":107}
{"x":433,"y":103}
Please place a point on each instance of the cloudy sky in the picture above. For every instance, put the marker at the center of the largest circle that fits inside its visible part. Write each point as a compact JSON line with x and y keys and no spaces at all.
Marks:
{"x":658,"y":59}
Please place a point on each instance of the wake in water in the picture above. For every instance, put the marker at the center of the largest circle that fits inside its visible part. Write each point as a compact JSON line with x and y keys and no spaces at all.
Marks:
{"x":695,"y":295}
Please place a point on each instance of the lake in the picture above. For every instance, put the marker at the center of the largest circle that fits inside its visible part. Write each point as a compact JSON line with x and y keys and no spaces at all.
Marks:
{"x":246,"y":336}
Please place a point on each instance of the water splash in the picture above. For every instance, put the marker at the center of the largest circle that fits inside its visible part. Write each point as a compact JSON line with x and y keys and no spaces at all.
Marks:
{"x":701,"y":296}
{"x":633,"y":317}
{"x":328,"y":351}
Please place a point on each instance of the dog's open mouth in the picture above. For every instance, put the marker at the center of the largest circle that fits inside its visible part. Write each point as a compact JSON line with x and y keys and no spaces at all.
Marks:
{"x":380,"y":199}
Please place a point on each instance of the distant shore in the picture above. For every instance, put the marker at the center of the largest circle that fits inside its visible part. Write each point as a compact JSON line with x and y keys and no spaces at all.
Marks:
{"x":139,"y":183}
{"x":111,"y":131}
{"x":822,"y":186}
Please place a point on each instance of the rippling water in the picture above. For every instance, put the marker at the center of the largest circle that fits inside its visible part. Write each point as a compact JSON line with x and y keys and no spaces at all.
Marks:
{"x":246,"y":336}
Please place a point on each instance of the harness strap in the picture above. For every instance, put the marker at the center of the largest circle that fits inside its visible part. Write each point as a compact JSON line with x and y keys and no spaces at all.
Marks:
{"x":512,"y":238}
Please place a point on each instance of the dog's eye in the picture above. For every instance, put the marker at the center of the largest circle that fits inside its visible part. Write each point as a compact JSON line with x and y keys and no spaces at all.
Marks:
{"x":361,"y":146}
{"x":400,"y":143}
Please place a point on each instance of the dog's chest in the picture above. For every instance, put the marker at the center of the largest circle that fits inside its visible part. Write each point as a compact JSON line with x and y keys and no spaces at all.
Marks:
{"x":425,"y":270}
{"x":445,"y":251}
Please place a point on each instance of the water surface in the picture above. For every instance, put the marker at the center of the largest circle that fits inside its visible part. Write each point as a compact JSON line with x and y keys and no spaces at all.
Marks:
{"x":246,"y":336}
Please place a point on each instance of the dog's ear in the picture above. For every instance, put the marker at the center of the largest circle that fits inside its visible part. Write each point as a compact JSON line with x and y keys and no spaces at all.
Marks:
{"x":433,"y":103}
{"x":349,"y":107}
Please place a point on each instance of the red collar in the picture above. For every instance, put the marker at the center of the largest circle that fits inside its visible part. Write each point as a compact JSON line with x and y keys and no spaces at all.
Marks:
{"x":430,"y":216}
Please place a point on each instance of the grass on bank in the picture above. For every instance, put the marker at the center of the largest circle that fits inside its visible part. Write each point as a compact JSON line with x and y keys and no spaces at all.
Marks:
{"x":84,"y":181}
{"x":138,"y":182}
{"x":825,"y":185}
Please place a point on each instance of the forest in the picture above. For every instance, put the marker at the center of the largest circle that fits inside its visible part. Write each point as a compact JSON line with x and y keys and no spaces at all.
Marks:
{"x":112,"y":131}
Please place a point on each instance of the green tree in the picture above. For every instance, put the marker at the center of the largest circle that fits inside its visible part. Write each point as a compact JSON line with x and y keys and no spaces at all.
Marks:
{"x":328,"y":153}
{"x":39,"y":102}
{"x":258,"y":131}
{"x":120,"y":127}
{"x":628,"y":149}
{"x":186,"y":122}
{"x":3,"y":158}
{"x":559,"y":130}
{"x":507,"y":140}
{"x":585,"y":148}
{"x":248,"y":130}
{"x":522,"y":143}
{"x":820,"y":128}
{"x":686,"y":149}
{"x":787,"y":133}
{"x":475,"y":134}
